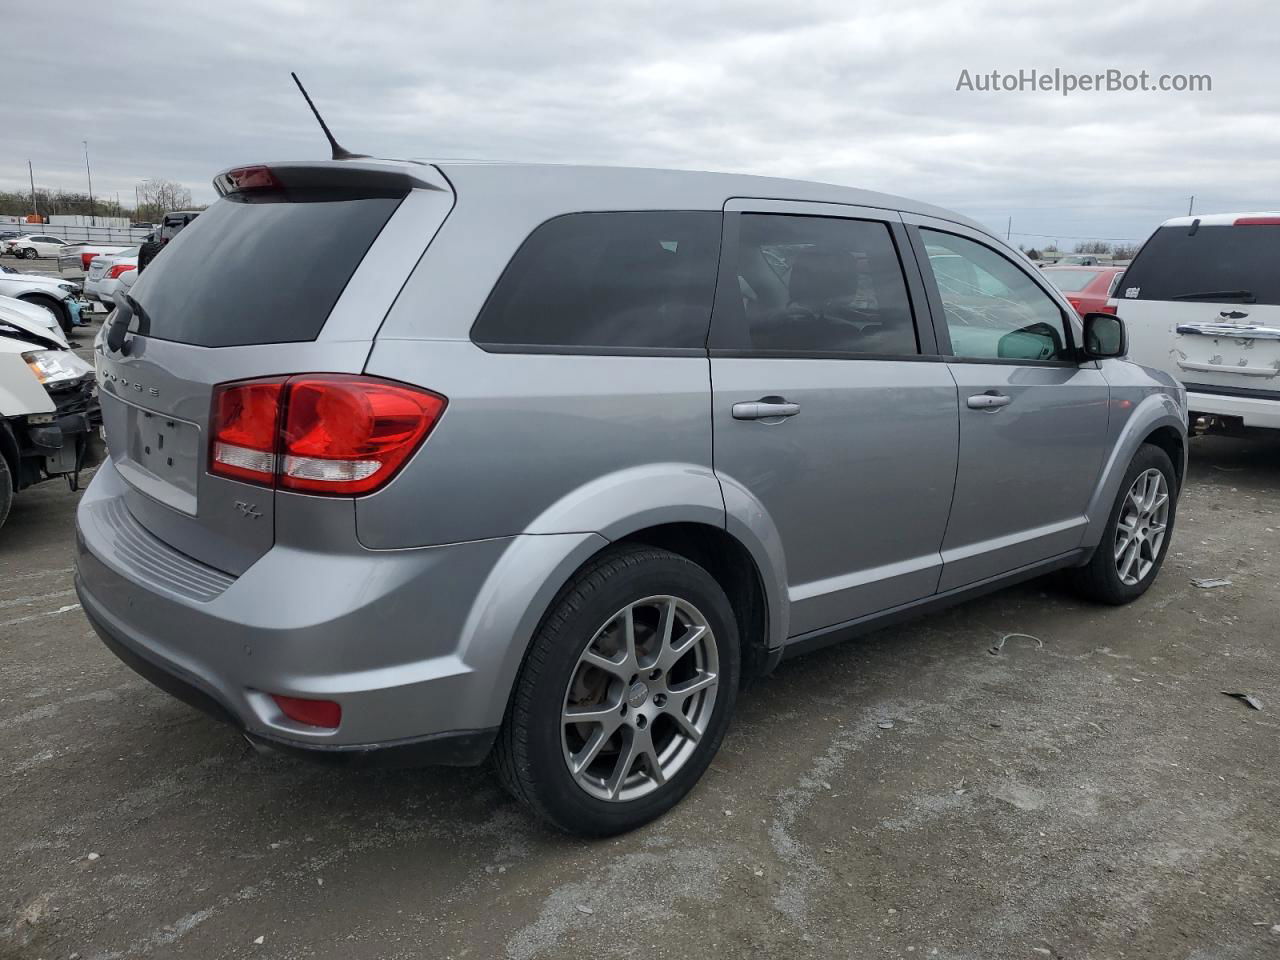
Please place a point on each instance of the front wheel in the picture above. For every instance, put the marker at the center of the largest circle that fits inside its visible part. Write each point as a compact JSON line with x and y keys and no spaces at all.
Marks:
{"x":29,"y":253}
{"x":625,"y":695}
{"x":6,"y":489}
{"x":1138,"y":532}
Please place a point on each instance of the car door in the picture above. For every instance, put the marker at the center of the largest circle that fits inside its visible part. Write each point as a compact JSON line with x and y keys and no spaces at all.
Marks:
{"x":1033,"y":418}
{"x":834,"y":420}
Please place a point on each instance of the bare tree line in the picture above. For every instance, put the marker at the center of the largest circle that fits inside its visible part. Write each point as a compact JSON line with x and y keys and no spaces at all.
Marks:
{"x":153,"y":199}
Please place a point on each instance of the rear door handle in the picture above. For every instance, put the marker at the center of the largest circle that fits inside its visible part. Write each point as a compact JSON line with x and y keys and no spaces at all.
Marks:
{"x":988,"y":401}
{"x":766,"y":408}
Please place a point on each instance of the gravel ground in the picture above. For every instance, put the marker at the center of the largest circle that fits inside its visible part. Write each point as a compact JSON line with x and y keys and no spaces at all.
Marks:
{"x":909,"y":794}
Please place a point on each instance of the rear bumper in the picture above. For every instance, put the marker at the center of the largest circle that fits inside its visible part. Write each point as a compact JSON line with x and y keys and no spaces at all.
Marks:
{"x":455,"y":748}
{"x":1255,"y":411}
{"x":420,"y":647}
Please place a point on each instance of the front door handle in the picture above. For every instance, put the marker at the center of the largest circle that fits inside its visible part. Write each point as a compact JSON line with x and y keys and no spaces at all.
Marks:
{"x":766,"y":408}
{"x":989,"y":401}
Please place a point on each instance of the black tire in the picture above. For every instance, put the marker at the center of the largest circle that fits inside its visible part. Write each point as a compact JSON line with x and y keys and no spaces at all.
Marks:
{"x":529,"y":752}
{"x":28,"y":253}
{"x":60,"y":312}
{"x":6,"y":489}
{"x":1099,"y":580}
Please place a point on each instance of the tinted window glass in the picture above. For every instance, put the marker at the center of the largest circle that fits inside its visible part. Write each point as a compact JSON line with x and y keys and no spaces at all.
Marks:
{"x":1177,"y":263}
{"x":260,"y":272}
{"x":607,"y":280}
{"x":818,"y":285}
{"x":1070,"y":281}
{"x":994,"y":310}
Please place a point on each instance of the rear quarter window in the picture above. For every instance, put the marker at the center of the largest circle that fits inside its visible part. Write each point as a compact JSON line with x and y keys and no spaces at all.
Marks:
{"x":1176,"y":263}
{"x":260,"y":271}
{"x":620,"y":281}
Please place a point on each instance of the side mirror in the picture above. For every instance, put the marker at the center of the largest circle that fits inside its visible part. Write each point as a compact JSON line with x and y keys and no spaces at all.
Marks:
{"x":1104,"y":336}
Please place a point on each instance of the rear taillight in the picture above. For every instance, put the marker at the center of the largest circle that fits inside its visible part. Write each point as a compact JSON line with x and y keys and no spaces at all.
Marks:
{"x":245,"y":426}
{"x":119,"y":268}
{"x":319,"y":433}
{"x":1107,"y":308}
{"x":86,"y":259}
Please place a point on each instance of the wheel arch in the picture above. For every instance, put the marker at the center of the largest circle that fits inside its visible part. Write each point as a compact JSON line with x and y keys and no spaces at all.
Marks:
{"x":732,"y":566}
{"x":1174,"y":444}
{"x":1156,"y":419}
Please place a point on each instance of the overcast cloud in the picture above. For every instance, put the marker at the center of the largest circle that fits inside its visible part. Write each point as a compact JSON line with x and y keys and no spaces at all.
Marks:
{"x":853,"y":93}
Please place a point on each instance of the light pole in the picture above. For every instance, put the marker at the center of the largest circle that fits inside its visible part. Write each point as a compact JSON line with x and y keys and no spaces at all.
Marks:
{"x":34,"y":208}
{"x":90,"y":176}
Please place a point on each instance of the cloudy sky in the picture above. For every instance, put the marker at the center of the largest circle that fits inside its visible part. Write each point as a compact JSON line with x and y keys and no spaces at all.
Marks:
{"x":847,"y":92}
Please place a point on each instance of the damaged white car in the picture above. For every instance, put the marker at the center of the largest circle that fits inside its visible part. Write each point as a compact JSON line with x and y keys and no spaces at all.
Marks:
{"x":49,"y":414}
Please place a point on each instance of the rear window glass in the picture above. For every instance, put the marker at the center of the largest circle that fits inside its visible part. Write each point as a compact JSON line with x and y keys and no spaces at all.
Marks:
{"x":1176,"y":263}
{"x":1071,"y":281}
{"x":257,"y":272}
{"x":629,"y":280}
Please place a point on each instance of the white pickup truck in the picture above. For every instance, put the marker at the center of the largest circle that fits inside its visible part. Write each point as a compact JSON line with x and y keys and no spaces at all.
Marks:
{"x":77,"y":256}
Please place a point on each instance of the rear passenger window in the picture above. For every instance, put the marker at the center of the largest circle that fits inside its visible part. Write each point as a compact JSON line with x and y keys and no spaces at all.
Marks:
{"x":628,"y":280}
{"x":994,"y":310}
{"x":817,"y":285}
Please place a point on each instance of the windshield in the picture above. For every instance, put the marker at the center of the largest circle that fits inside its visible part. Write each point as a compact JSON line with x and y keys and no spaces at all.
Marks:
{"x":266,"y":271}
{"x":1213,"y":261}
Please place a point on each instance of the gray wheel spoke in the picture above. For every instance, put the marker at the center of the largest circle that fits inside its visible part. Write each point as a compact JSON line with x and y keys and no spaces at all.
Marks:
{"x":626,"y":760}
{"x":1130,"y":555}
{"x":606,"y":714}
{"x":685,"y":724}
{"x":673,"y":653}
{"x":619,"y":668}
{"x":701,"y":682}
{"x":582,"y":759}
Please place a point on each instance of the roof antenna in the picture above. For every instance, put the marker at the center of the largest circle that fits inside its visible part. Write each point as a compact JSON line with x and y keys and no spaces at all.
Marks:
{"x":339,"y":152}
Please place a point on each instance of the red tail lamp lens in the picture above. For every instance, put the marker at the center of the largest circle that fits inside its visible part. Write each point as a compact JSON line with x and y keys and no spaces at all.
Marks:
{"x":351,"y":434}
{"x":244,"y":427}
{"x":339,"y":434}
{"x":119,"y":268}
{"x":313,"y":713}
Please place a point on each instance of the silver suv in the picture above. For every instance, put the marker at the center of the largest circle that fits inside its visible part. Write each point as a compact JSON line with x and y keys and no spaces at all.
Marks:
{"x":427,"y":463}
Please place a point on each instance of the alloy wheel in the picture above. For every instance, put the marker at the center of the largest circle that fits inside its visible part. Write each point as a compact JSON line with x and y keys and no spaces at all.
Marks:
{"x":1141,"y":526}
{"x":640,"y":698}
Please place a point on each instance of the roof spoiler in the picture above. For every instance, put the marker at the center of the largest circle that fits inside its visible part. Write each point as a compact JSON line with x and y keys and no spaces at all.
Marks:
{"x":351,"y":178}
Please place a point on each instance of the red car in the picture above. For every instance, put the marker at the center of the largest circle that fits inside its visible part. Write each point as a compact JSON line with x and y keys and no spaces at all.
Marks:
{"x":1086,"y":288}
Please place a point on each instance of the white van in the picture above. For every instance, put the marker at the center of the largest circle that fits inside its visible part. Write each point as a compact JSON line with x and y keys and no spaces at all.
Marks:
{"x":1201,"y":300}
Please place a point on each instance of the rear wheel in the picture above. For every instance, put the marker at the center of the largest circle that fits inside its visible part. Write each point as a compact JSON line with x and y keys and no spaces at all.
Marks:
{"x":625,"y":695}
{"x":1138,"y":532}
